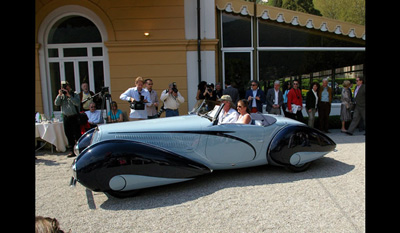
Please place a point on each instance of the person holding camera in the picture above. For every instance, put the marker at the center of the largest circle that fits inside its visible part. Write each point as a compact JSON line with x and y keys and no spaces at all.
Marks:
{"x":210,"y":95}
{"x":172,"y":99}
{"x":69,"y":102}
{"x":139,"y":99}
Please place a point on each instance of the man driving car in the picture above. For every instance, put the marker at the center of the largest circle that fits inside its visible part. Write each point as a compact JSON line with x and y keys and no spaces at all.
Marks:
{"x":228,"y":114}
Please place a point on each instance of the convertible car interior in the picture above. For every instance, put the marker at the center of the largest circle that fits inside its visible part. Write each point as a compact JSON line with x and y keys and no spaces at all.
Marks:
{"x":262,"y":120}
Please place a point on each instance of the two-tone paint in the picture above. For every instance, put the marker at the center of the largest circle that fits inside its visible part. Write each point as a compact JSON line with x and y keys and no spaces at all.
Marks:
{"x":118,"y":158}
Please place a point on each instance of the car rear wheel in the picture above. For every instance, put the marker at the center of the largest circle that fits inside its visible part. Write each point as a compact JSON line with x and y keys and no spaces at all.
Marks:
{"x":298,"y":168}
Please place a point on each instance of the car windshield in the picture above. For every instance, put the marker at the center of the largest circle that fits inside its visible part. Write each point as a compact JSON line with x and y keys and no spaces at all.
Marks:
{"x":208,"y":109}
{"x":205,"y":108}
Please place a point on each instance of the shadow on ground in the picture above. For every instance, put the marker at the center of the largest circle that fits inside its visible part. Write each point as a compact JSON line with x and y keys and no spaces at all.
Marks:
{"x":175,"y":194}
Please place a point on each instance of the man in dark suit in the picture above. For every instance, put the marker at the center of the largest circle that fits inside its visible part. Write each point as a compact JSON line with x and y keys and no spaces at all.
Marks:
{"x":274,"y":99}
{"x":359,"y":101}
{"x":256,"y":97}
{"x":231,"y":91}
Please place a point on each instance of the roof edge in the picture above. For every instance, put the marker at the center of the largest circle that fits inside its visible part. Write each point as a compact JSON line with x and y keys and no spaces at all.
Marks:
{"x":294,"y":18}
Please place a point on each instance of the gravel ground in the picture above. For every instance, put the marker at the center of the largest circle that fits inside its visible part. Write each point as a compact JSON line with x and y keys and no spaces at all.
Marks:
{"x":329,"y":197}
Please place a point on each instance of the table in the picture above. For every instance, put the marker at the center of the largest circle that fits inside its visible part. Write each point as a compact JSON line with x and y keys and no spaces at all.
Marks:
{"x":53,"y":133}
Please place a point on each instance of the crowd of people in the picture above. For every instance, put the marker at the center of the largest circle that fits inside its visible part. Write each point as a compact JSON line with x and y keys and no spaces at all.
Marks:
{"x":80,"y":111}
{"x":290,"y":102}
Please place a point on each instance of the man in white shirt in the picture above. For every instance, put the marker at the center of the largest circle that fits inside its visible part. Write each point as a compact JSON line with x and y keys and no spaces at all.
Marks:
{"x":228,"y":114}
{"x":93,"y":115}
{"x":172,"y":99}
{"x":140,"y":96}
{"x":274,"y":99}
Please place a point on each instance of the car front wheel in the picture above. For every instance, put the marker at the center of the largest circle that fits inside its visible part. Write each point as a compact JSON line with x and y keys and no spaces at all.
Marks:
{"x":298,"y":168}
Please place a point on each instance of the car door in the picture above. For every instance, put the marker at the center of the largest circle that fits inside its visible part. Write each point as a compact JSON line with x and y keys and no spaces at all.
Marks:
{"x":234,"y":143}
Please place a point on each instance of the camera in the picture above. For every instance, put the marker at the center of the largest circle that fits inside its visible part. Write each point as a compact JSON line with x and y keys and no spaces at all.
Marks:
{"x":104,"y":90}
{"x":162,"y":109}
{"x":64,"y":86}
{"x":174,"y":89}
{"x":210,"y":87}
{"x":138,"y":105}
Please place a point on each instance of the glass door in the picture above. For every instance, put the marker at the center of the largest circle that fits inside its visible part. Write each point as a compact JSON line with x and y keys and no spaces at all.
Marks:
{"x":238,"y":69}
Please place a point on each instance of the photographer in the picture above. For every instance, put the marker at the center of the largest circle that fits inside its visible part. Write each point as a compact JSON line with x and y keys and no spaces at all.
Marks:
{"x":69,"y":102}
{"x":211,"y":96}
{"x":172,"y":99}
{"x":139,"y":98}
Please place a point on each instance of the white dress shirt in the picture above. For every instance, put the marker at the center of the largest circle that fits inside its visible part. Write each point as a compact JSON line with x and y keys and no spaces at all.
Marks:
{"x":94,"y":117}
{"x":134,"y":93}
{"x":276,"y":99}
{"x":230,"y":117}
{"x":254,"y":102}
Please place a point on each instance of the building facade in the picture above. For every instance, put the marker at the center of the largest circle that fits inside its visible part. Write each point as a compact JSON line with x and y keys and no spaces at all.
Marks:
{"x":108,"y":43}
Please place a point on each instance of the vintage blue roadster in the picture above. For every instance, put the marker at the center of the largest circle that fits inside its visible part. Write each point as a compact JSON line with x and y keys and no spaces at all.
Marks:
{"x":121,"y":158}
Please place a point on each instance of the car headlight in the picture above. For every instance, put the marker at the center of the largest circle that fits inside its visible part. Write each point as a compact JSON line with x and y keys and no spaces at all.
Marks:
{"x":76,"y":149}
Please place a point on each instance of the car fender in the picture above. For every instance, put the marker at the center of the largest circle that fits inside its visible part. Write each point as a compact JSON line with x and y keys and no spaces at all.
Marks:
{"x":100,"y":162}
{"x":298,"y":144}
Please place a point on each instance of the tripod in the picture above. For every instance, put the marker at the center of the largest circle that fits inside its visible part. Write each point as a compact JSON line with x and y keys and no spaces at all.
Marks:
{"x":106,"y":98}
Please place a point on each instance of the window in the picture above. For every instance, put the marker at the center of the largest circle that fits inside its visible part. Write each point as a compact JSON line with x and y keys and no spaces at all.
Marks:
{"x":75,"y":54}
{"x":238,"y":70}
{"x":232,"y":37}
{"x":237,"y":50}
{"x":283,"y":35}
{"x":73,"y":29}
{"x":286,"y":52}
{"x":311,"y":66}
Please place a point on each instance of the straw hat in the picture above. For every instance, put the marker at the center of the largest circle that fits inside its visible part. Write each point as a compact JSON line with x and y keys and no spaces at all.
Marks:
{"x":226,"y":98}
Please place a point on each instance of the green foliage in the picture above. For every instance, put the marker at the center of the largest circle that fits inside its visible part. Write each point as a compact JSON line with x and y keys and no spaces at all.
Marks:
{"x":306,"y":6}
{"x":352,"y":11}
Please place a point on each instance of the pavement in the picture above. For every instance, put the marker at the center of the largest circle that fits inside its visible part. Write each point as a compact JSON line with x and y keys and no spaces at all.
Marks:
{"x":328,"y":197}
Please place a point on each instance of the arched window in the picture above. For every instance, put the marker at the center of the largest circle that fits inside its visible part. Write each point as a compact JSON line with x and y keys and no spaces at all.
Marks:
{"x":74,"y":52}
{"x":73,"y":29}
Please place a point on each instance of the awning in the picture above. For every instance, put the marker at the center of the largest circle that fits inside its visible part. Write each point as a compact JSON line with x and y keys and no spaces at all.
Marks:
{"x":293,"y":17}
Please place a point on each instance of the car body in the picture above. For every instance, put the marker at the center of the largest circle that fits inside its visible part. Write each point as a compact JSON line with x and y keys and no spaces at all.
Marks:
{"x":124,"y":157}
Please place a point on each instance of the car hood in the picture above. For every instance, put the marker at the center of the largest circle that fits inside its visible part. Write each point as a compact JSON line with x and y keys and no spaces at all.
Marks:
{"x":169,"y":124}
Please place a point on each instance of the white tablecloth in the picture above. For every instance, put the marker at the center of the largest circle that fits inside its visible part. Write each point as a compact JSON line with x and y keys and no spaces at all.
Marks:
{"x":52,"y":133}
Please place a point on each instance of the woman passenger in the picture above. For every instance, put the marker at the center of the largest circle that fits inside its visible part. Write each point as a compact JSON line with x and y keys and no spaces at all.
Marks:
{"x":243,"y":109}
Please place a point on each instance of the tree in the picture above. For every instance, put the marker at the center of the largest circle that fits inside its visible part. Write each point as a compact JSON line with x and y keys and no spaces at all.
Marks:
{"x":276,"y":3}
{"x":345,"y":10}
{"x":306,"y":6}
